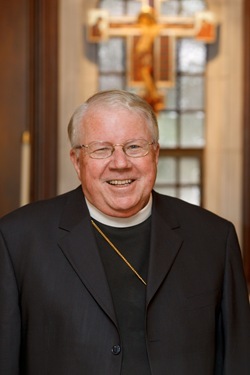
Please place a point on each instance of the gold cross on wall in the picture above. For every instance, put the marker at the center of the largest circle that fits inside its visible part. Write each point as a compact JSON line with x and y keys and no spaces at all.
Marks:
{"x":151,"y":44}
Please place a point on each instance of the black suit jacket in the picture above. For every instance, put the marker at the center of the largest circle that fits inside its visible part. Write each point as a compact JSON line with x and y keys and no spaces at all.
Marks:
{"x":56,"y":310}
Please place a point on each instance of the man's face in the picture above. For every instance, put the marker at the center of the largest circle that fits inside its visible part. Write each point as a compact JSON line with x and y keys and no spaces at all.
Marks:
{"x":120,"y":185}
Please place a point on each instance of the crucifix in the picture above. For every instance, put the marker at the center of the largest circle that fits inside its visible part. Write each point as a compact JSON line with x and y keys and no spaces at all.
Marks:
{"x":151,"y":44}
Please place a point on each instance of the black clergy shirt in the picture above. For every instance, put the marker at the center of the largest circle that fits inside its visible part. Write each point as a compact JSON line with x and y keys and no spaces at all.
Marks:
{"x":127,"y":290}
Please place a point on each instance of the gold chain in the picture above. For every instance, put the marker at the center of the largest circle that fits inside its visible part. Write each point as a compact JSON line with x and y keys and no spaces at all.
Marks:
{"x":118,"y":252}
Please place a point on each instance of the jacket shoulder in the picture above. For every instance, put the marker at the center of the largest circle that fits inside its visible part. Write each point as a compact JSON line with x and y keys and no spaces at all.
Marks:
{"x":39,"y":211}
{"x":183,"y":211}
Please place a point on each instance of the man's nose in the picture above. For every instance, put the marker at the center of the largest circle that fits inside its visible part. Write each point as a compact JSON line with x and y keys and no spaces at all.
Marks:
{"x":119,"y":158}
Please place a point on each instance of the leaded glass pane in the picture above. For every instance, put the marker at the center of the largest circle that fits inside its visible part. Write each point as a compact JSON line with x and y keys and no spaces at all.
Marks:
{"x":166,"y":190}
{"x":167,"y":122}
{"x":190,"y":194}
{"x":191,"y":92}
{"x":189,"y":7}
{"x":182,"y":7}
{"x":192,"y":130}
{"x":111,"y":55}
{"x":192,"y":56}
{"x":189,"y":170}
{"x":171,"y":98}
{"x":133,"y":7}
{"x":170,"y":8}
{"x":110,"y":82}
{"x":166,"y":170}
{"x":115,"y":7}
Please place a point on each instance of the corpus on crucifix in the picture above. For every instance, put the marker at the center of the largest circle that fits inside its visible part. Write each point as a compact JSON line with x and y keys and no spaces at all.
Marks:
{"x":151,"y":44}
{"x":144,"y":56}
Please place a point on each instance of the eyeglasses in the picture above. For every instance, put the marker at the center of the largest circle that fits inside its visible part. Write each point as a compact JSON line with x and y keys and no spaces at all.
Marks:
{"x":135,"y":148}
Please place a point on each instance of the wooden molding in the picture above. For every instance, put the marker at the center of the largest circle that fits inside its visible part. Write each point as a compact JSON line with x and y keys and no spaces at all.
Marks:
{"x":43,"y":97}
{"x":246,"y":145}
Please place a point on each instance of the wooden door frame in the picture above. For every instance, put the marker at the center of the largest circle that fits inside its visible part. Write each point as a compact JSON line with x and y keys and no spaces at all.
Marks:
{"x":43,"y":97}
{"x":29,"y":96}
{"x":246,"y":142}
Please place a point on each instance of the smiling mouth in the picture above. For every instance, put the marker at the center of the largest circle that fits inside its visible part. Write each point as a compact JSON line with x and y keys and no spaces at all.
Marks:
{"x":120,"y":182}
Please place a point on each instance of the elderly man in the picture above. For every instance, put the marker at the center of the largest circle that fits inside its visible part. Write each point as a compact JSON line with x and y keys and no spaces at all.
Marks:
{"x":113,"y":278}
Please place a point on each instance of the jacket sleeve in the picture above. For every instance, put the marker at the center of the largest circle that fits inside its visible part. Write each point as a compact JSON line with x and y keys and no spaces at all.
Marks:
{"x":10,"y":326}
{"x":235,"y":312}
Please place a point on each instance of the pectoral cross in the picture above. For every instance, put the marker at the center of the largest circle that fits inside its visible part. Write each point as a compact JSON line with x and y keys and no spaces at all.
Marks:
{"x":151,"y":44}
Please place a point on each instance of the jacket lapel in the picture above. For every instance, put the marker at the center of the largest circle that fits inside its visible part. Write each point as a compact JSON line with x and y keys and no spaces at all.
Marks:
{"x":77,"y":242}
{"x":165,"y":244}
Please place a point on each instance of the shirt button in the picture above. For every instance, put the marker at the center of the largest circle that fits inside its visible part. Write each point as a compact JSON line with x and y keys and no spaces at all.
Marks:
{"x":116,"y":349}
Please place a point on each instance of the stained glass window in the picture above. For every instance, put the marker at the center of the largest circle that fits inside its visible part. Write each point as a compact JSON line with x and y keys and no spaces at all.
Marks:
{"x":182,"y":120}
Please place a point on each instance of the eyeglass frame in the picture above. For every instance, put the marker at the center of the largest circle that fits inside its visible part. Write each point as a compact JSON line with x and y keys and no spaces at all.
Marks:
{"x":112,"y":150}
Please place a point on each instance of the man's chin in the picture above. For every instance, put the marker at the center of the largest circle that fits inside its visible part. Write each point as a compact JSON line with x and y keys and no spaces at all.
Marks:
{"x":123,"y":209}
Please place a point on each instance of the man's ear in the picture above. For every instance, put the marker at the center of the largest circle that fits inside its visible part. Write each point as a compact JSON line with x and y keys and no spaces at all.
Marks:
{"x":74,"y":157}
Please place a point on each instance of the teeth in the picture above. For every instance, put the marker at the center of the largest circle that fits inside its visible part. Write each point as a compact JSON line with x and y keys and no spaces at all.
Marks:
{"x":120,"y":182}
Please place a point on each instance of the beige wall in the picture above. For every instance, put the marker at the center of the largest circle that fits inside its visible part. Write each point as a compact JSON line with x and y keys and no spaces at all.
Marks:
{"x":223,"y":156}
{"x":77,"y":77}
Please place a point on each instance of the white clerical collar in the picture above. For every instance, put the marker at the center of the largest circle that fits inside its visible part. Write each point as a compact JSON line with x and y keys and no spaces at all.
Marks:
{"x":120,"y":222}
